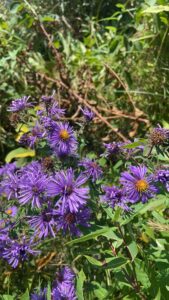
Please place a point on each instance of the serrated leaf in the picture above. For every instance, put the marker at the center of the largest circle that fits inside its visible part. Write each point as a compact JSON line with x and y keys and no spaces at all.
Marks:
{"x":81,"y":277}
{"x":89,"y":236}
{"x":19,"y":153}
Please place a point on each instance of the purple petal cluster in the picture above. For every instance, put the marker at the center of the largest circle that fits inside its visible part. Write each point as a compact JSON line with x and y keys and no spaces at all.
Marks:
{"x":42,"y":295}
{"x":88,"y":114}
{"x":159,"y":136}
{"x":92,"y":169}
{"x":163,"y":177}
{"x":33,"y":186}
{"x":70,"y":190}
{"x":70,"y":222}
{"x":137,"y":184}
{"x":62,"y":139}
{"x":115,"y":196}
{"x":15,"y":252}
{"x":64,"y":287}
{"x":20,"y":104}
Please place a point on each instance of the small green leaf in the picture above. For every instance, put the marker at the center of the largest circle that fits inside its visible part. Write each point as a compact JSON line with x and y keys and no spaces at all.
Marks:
{"x":133,"y":249}
{"x":155,"y":9}
{"x":81,"y":277}
{"x":8,"y":297}
{"x":94,"y":261}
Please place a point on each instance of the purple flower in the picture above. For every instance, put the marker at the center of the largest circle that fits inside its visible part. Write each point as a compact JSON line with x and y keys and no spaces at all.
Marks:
{"x":47,"y":99}
{"x":158,"y":136}
{"x":16,"y":252}
{"x":63,"y":287}
{"x":115,"y":196}
{"x":70,"y":221}
{"x":32,"y":187}
{"x":92,"y":169}
{"x":20,"y":104}
{"x":72,"y":195}
{"x":88,"y":114}
{"x":55,"y":111}
{"x":7,"y":168}
{"x":11,"y":211}
{"x":45,"y":223}
{"x":138,"y":185}
{"x":163,"y":177}
{"x":64,"y":291}
{"x":65,"y":275}
{"x":62,"y":139}
{"x":41,"y":296}
{"x":10,"y":185}
{"x":30,"y":139}
{"x":112,"y":149}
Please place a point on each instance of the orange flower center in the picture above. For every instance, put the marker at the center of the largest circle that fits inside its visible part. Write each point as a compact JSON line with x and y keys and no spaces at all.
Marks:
{"x":9,"y":211}
{"x":64,"y":135}
{"x":142,"y":185}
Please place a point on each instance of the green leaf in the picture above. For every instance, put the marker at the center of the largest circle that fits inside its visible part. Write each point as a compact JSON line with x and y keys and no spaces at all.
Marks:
{"x":8,"y":297}
{"x":81,"y":277}
{"x":25,"y":296}
{"x":99,"y":291}
{"x":114,"y":263}
{"x":89,"y":236}
{"x":158,"y":296}
{"x":94,"y":261}
{"x":135,"y":144}
{"x":155,"y":9}
{"x":49,"y":292}
{"x":132,"y":247}
{"x":19,"y":153}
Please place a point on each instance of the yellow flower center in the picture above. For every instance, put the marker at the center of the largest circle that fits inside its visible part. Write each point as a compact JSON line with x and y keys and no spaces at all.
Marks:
{"x":9,"y":211}
{"x":142,"y":185}
{"x":64,"y":135}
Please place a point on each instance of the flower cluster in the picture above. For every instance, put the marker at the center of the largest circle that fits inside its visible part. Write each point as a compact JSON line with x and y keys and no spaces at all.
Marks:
{"x":63,"y":287}
{"x":57,"y":193}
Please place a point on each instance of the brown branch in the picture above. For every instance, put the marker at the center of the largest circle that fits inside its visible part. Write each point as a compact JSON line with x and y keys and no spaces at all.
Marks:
{"x":124,"y":85}
{"x":73,"y":94}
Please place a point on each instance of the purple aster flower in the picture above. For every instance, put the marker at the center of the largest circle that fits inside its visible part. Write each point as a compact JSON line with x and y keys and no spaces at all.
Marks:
{"x":33,"y":187}
{"x":70,"y":221}
{"x":7,"y":168}
{"x":138,"y":185}
{"x":65,"y":275}
{"x":112,"y":149}
{"x":158,"y":136}
{"x":20,"y":104}
{"x":42,"y":295}
{"x":70,"y":190}
{"x":45,"y":223}
{"x":11,"y":211}
{"x":10,"y":185}
{"x":62,"y":139}
{"x":30,"y":139}
{"x":88,"y":114}
{"x":64,"y":291}
{"x":16,"y":252}
{"x":47,"y":99}
{"x":163,"y":177}
{"x":115,"y":196}
{"x":92,"y":169}
{"x":63,"y":287}
{"x":55,"y":111}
